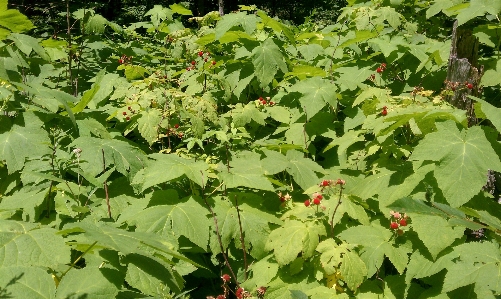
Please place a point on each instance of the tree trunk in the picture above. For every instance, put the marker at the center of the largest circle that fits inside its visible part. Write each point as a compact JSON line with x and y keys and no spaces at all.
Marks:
{"x":463,"y":72}
{"x":221,"y":7}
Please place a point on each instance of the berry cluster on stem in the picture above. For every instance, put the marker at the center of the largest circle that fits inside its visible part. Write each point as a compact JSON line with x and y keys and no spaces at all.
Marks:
{"x":398,"y":220}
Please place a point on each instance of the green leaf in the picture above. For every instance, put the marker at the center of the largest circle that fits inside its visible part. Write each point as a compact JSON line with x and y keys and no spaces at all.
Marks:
{"x":27,"y":44}
{"x":463,"y":160}
{"x":243,"y":115}
{"x":186,"y":217}
{"x":302,"y":169}
{"x":23,"y":244}
{"x":27,"y":201}
{"x":443,"y":234}
{"x":491,"y":112}
{"x":90,"y":283}
{"x":148,"y":123}
{"x":127,"y":159}
{"x":151,"y":275}
{"x":179,"y":9}
{"x":267,"y":60}
{"x":353,"y":270}
{"x":317,"y":92}
{"x":158,"y":14}
{"x":248,"y":22}
{"x":24,"y":139}
{"x":246,"y":171}
{"x":292,"y":238}
{"x":13,"y":20}
{"x":134,"y":72}
{"x":478,"y":8}
{"x":161,"y":168}
{"x":276,"y":26}
{"x":95,"y":24}
{"x":89,"y":95}
{"x":477,"y":263}
{"x":26,"y":282}
{"x":310,"y":51}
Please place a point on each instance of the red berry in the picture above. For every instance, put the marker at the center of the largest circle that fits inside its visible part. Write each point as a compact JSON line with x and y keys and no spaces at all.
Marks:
{"x":188,"y":69}
{"x":403,"y":222}
{"x":193,"y":62}
{"x":239,"y":293}
{"x":124,"y":113}
{"x":271,"y":103}
{"x":205,"y":59}
{"x":127,"y":118}
{"x":176,"y":126}
{"x":393,"y":225}
{"x":201,"y":53}
{"x":316,"y":201}
{"x":384,"y":112}
{"x":469,"y":85}
{"x":379,"y":70}
{"x":307,"y":203}
{"x":226,"y":277}
{"x":129,"y":108}
{"x":220,"y":297}
{"x":213,"y":62}
{"x":324,"y":183}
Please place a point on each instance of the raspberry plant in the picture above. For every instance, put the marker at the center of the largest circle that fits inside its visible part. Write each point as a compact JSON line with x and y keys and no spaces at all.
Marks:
{"x":146,"y":161}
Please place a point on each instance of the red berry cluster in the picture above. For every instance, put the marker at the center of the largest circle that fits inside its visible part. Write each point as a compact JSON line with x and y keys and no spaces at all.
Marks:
{"x":127,"y":117}
{"x":329,"y":183}
{"x":384,"y":112}
{"x":173,"y":131}
{"x":125,"y":59}
{"x":266,"y":101}
{"x":316,"y":198}
{"x":381,"y":68}
{"x":398,"y":220}
{"x":455,"y":85}
{"x":284,"y":198}
{"x":241,"y":293}
{"x":205,"y":56}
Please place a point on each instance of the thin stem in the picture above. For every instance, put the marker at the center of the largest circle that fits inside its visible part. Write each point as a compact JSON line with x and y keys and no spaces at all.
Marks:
{"x":106,"y":186}
{"x":241,"y":238}
{"x":76,"y":261}
{"x":69,"y":42}
{"x":218,"y":234}
{"x":335,"y":210}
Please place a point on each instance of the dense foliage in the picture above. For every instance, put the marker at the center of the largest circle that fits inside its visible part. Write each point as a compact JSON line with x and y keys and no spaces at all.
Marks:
{"x":248,"y":158}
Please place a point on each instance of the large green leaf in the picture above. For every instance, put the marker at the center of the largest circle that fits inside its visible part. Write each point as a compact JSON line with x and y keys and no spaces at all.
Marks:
{"x":12,"y":20}
{"x":255,"y":225}
{"x":375,"y":242}
{"x":23,"y":244}
{"x":186,"y":217}
{"x":126,"y":158}
{"x":245,"y":171}
{"x":302,"y":169}
{"x":24,"y":138}
{"x":163,"y":168}
{"x":26,"y":282}
{"x":478,"y":8}
{"x":248,"y":22}
{"x":292,"y":238}
{"x":463,"y":160}
{"x":317,"y":92}
{"x":267,"y":60}
{"x":443,"y":234}
{"x":89,"y":282}
{"x":29,"y":202}
{"x":148,"y":123}
{"x":151,"y":275}
{"x":479,"y":264}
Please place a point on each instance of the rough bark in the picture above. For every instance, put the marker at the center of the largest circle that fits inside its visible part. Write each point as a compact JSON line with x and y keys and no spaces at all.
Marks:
{"x":463,"y":69}
{"x":221,"y":7}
